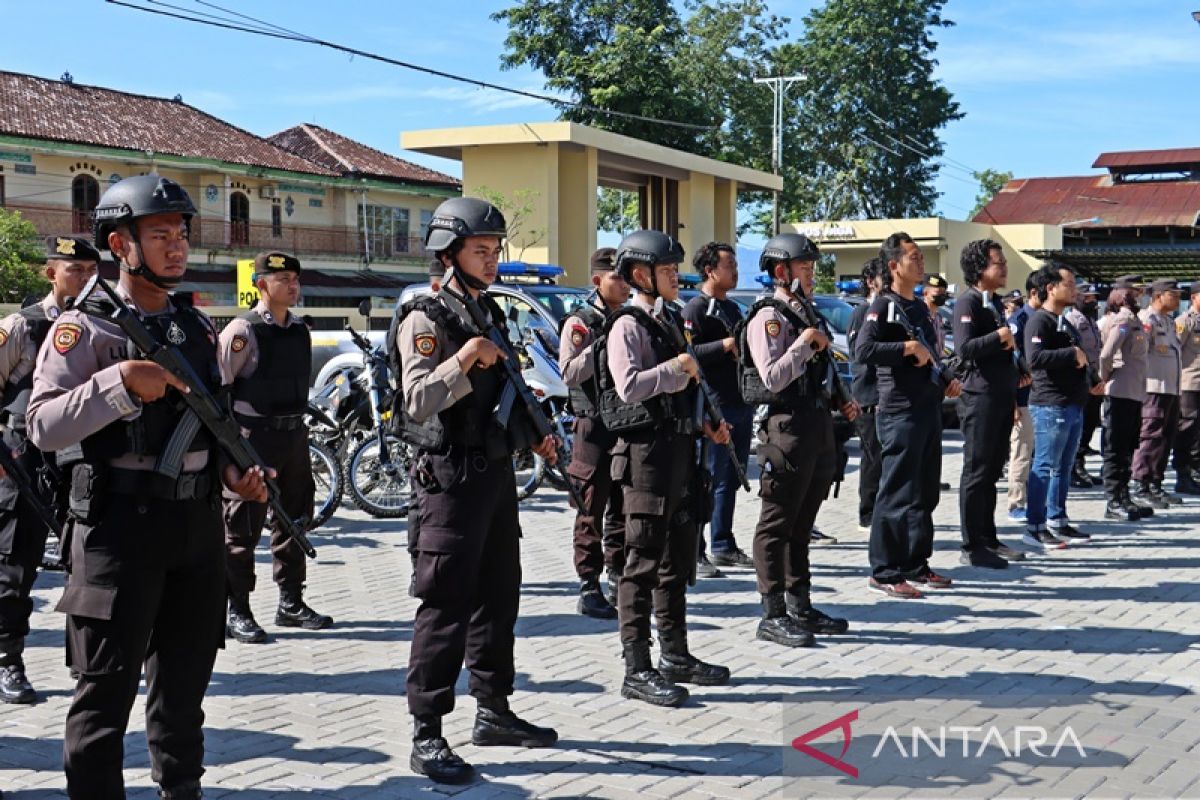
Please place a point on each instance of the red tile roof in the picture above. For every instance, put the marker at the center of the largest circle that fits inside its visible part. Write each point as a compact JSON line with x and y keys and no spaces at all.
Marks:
{"x":346,"y":155}
{"x":1055,"y":201}
{"x":1153,"y":160}
{"x":38,"y":108}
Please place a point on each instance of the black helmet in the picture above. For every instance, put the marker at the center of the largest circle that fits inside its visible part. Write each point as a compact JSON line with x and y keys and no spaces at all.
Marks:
{"x":139,"y":196}
{"x":460,"y":217}
{"x":651,"y":247}
{"x":788,"y":247}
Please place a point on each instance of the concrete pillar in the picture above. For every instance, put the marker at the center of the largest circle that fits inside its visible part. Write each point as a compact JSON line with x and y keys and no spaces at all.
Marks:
{"x":725,"y":211}
{"x":696,"y":212}
{"x":526,"y":175}
{"x":575,"y":233}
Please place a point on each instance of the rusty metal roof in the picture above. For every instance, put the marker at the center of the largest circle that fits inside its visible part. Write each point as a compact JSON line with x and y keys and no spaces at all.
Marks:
{"x":1078,"y":200}
{"x":1149,"y":160}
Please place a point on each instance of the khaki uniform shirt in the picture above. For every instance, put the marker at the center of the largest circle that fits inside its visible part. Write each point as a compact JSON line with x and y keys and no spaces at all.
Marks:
{"x":1187,"y":328}
{"x":1089,"y":335}
{"x":575,"y":352}
{"x":775,"y":345}
{"x":237,"y":351}
{"x":1162,"y":362}
{"x":18,"y":352}
{"x":637,"y":374}
{"x":1123,"y":356}
{"x":77,"y":385}
{"x":433,"y":380}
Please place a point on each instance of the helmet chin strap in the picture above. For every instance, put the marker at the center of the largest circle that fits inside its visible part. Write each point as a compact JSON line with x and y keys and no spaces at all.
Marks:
{"x":142,"y":271}
{"x":465,"y":280}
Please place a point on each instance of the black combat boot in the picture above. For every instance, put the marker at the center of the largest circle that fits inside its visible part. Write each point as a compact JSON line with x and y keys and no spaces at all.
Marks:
{"x":1117,"y":510}
{"x":611,"y":592}
{"x":677,"y":665}
{"x":240,"y":624}
{"x":1185,"y":483}
{"x":432,"y":756}
{"x":496,"y":724}
{"x":644,"y":682}
{"x":14,"y":686}
{"x":778,"y":627}
{"x":1170,"y":499}
{"x":592,"y":602}
{"x":1080,"y":479}
{"x":1145,"y":496}
{"x":800,"y":609}
{"x":188,"y":790}
{"x":1134,"y":506}
{"x":293,"y":612}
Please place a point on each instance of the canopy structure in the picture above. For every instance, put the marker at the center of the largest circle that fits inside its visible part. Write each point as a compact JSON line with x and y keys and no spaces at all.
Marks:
{"x":1105,"y":264}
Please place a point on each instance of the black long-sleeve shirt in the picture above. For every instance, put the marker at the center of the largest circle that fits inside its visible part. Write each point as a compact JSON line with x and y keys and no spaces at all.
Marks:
{"x":708,"y":331}
{"x":902,"y":384}
{"x":1057,"y":378}
{"x":865,"y":384}
{"x":977,"y":341}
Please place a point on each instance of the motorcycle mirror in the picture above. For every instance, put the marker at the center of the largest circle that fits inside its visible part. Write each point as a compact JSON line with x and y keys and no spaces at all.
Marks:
{"x":364,"y":308}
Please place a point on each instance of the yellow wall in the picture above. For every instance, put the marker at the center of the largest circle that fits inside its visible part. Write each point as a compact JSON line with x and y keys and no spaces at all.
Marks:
{"x":508,"y":169}
{"x":575,"y":236}
{"x":696,"y":216}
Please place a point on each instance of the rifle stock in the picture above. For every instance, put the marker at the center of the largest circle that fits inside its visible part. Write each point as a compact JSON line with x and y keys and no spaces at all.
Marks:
{"x":712,"y":408}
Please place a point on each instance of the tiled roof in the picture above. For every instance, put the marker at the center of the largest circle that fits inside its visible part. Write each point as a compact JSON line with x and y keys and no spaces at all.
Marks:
{"x":1056,"y":201}
{"x":345,"y":155}
{"x":38,"y":108}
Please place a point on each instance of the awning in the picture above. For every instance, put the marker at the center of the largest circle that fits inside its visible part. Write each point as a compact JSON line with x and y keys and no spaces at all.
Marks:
{"x":1106,"y":264}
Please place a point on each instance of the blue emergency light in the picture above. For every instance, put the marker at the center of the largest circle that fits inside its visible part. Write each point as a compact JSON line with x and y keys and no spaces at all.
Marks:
{"x":546,"y":273}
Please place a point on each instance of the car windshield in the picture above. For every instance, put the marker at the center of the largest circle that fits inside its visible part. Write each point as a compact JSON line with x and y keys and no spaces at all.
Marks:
{"x":560,"y":301}
{"x":836,"y":312}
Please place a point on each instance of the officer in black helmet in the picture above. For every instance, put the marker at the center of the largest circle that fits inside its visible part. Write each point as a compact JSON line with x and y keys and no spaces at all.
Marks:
{"x":468,"y":566}
{"x":266,"y":354}
{"x":70,"y":261}
{"x":648,"y":398}
{"x":147,"y":557}
{"x":783,"y":369}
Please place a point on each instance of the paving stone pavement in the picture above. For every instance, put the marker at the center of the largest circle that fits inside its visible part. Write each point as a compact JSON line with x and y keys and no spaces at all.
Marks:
{"x":321,"y":714}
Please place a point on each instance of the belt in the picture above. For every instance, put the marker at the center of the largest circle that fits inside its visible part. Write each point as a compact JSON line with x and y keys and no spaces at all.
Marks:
{"x":144,"y":483}
{"x":279,"y":422}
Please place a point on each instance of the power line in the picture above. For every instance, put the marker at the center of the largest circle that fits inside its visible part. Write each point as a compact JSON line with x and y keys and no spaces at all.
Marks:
{"x":275,"y":32}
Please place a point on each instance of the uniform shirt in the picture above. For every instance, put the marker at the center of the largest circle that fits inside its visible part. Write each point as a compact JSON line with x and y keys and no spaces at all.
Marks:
{"x":1057,"y":378}
{"x":18,"y":352}
{"x":77,"y":386}
{"x":637,"y":374}
{"x":708,"y":331}
{"x":1187,"y":328}
{"x":775,"y":346}
{"x":1123,"y":356}
{"x":939,"y":331}
{"x":237,"y":351}
{"x":1162,"y":362}
{"x":976,"y":340}
{"x":865,"y":384}
{"x":902,"y":384}
{"x":1016,"y":323}
{"x":433,"y":379}
{"x":1089,"y":334}
{"x":575,"y":352}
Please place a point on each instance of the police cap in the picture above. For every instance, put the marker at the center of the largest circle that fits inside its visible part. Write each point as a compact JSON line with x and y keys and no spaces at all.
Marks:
{"x":70,"y":248}
{"x":275,"y":261}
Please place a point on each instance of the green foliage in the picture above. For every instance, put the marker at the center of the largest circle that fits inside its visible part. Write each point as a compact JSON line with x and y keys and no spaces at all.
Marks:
{"x":516,"y":210}
{"x":990,"y":182}
{"x":20,"y":259}
{"x":826,"y":274}
{"x":617,"y":211}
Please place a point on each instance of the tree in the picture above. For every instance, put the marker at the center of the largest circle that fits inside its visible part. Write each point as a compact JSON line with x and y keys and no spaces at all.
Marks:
{"x":516,"y":212}
{"x":862,"y":132}
{"x":991,"y":181}
{"x":20,"y":257}
{"x":617,"y":211}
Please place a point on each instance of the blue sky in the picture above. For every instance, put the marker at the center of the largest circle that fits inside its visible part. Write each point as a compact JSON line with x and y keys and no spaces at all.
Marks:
{"x":1046,"y":86}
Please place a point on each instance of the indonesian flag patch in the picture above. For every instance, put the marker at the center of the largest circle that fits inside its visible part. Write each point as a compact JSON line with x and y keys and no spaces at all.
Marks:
{"x":66,"y":336}
{"x":1035,"y":339}
{"x":965,"y":319}
{"x":872,"y":317}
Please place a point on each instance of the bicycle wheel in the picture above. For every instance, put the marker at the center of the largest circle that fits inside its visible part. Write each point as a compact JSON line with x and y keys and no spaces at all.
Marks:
{"x":381,"y":490}
{"x":327,"y":475}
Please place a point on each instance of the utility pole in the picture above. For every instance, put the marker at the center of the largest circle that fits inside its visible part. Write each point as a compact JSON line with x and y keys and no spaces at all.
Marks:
{"x":779,"y":85}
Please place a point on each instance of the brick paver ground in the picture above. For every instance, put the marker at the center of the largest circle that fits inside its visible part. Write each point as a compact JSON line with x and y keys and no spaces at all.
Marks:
{"x":322,"y":714}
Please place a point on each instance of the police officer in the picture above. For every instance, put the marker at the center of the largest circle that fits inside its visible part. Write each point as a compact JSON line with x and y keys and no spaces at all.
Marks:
{"x":865,"y":390}
{"x":909,"y":422}
{"x":266,"y":354}
{"x":1160,"y":411}
{"x":70,"y":261}
{"x":599,"y":536}
{"x":936,"y":294}
{"x":797,"y":448}
{"x":146,"y":555}
{"x":712,"y":317}
{"x":1083,"y":316}
{"x":1187,"y":443}
{"x":987,"y":403}
{"x":468,"y":561}
{"x":1123,"y":370}
{"x":1020,"y":454}
{"x":648,"y":399}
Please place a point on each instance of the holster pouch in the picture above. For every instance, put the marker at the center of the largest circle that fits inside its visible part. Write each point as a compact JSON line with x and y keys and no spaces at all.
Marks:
{"x":88,"y":493}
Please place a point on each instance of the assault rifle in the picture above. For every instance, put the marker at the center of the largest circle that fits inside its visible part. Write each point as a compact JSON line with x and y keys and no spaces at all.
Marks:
{"x":1018,"y":358}
{"x":28,"y":489}
{"x":937,"y":372}
{"x":839,"y":395}
{"x":203,"y":408}
{"x":516,"y":389}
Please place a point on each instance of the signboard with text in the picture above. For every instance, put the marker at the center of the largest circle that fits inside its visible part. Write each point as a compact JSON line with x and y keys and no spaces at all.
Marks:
{"x":247,"y":295}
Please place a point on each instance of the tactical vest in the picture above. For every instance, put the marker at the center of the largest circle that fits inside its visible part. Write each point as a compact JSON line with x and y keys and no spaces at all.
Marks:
{"x":279,"y":384}
{"x":754,"y":391}
{"x":470,"y":421}
{"x":658,"y":411}
{"x":151,"y":432}
{"x":582,"y":399}
{"x":16,"y":395}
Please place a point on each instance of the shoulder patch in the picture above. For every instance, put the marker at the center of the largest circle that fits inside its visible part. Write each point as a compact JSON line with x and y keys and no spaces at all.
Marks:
{"x":577,"y":334}
{"x":66,"y":336}
{"x":773,"y":328}
{"x":425,"y":343}
{"x":238,"y":344}
{"x":3,"y":337}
